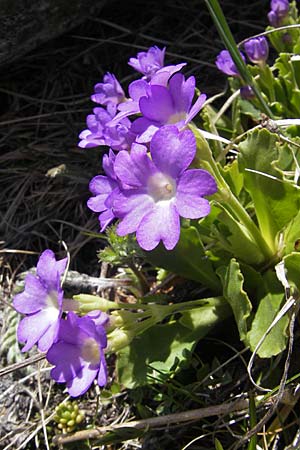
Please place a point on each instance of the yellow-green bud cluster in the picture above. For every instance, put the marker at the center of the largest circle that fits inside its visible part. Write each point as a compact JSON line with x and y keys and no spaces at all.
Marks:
{"x":68,"y":416}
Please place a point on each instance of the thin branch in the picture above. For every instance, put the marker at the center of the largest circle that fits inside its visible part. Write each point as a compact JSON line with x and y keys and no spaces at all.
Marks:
{"x":156,"y":422}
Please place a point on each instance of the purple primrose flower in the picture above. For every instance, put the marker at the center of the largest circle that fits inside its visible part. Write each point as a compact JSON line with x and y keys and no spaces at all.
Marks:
{"x":148,"y":62}
{"x":167,"y":105}
{"x":117,"y":136}
{"x":257,"y":50}
{"x":225,"y":64}
{"x":104,"y":189}
{"x":41,"y":301}
{"x":78,"y":354}
{"x":156,"y":191}
{"x":279,"y":10}
{"x":110,"y":91}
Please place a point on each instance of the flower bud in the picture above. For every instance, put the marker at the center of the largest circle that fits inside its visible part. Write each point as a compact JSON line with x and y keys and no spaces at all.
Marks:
{"x":119,"y":339}
{"x":257,"y":50}
{"x":225,"y":63}
{"x":247,"y":93}
{"x":68,"y":416}
{"x":279,"y":10}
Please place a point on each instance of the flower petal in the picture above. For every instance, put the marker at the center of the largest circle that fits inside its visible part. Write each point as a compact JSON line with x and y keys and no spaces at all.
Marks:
{"x":172,"y":150}
{"x":102,"y":374}
{"x":47,"y":267}
{"x":33,"y":327}
{"x":191,"y":188}
{"x":158,"y":105}
{"x":195,"y":108}
{"x":182,"y":92}
{"x":33,"y":298}
{"x":162,"y":223}
{"x":66,"y":358}
{"x":82,"y":381}
{"x":131,"y":207}
{"x":134,"y":169}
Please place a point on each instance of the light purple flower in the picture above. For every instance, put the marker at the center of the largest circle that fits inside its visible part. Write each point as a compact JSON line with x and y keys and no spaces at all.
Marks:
{"x":257,"y":50}
{"x":225,"y":64}
{"x":167,"y":105}
{"x":104,"y":189}
{"x":41,"y":301}
{"x":279,"y":10}
{"x":117,"y":136}
{"x":148,"y":62}
{"x":110,"y":91}
{"x":156,"y":191}
{"x":140,"y":88}
{"x":78,"y":354}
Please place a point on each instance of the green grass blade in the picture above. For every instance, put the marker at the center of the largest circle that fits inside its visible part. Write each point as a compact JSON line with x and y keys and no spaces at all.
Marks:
{"x":229,"y":42}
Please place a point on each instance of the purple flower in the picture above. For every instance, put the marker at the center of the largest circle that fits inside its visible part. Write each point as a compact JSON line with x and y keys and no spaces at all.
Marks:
{"x":41,"y":301}
{"x":156,"y":191}
{"x":117,"y":136}
{"x":110,"y":91}
{"x":78,"y":354}
{"x":279,"y":10}
{"x":225,"y":63}
{"x":247,"y":92}
{"x":104,"y":189}
{"x":140,"y":88}
{"x":257,"y":50}
{"x":167,"y":105}
{"x":148,"y":62}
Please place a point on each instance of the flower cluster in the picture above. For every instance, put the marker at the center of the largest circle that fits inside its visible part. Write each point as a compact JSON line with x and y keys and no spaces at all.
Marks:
{"x":148,"y":185}
{"x":75,"y":345}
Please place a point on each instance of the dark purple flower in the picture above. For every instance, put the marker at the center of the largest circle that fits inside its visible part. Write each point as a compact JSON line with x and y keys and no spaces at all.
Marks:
{"x":224,"y":62}
{"x":156,"y":191}
{"x":167,"y":105}
{"x":41,"y":301}
{"x":247,"y":92}
{"x":279,"y":10}
{"x":148,"y":62}
{"x":117,"y":136}
{"x":78,"y":354}
{"x":110,"y":91}
{"x":257,"y":50}
{"x":104,"y":189}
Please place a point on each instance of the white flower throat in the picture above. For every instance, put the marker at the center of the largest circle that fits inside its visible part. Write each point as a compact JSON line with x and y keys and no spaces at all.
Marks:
{"x":161,"y":187}
{"x":90,"y":351}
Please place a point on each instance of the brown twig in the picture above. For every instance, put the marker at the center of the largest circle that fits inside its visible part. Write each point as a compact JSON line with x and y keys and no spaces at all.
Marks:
{"x":156,"y":422}
{"x":22,"y":364}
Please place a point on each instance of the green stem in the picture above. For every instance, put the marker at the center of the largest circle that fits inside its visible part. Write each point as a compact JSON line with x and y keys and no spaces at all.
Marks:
{"x":228,"y":39}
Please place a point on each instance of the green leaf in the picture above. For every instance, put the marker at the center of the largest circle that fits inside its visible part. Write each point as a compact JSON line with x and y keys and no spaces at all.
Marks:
{"x":291,"y":236}
{"x":269,"y":306}
{"x":234,"y":238}
{"x":187,"y":259}
{"x":276,"y":201}
{"x":165,"y":346}
{"x":218,"y":445}
{"x":233,"y":280}
{"x":292,"y":267}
